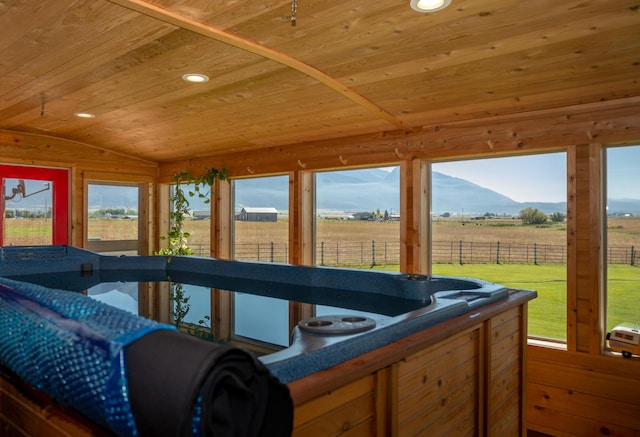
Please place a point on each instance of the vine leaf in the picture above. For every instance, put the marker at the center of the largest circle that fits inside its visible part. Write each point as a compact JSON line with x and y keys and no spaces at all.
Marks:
{"x":177,"y":237}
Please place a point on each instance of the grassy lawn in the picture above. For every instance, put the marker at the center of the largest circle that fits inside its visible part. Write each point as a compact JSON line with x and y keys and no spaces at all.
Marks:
{"x":623,"y":305}
{"x":547,"y":313}
{"x":21,"y":232}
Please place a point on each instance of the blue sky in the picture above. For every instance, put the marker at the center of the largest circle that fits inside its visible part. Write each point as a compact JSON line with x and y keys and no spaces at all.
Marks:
{"x":532,"y":178}
{"x":542,"y":178}
{"x":623,"y":170}
{"x":39,"y":193}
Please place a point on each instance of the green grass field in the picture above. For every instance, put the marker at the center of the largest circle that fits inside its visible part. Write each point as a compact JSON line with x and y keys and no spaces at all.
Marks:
{"x":547,"y":313}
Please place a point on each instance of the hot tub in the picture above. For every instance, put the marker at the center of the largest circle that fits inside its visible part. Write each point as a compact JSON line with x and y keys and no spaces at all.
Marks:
{"x":371,"y":308}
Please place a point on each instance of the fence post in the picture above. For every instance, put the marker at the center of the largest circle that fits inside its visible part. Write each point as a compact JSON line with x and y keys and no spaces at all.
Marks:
{"x":386,"y":260}
{"x":451,"y":252}
{"x":535,"y":254}
{"x":460,"y":252}
{"x":322,"y":253}
{"x":373,"y":253}
{"x":272,"y":251}
{"x":633,"y":255}
{"x":498,"y":252}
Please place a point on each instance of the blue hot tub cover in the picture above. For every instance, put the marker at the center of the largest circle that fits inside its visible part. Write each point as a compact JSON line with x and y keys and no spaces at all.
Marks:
{"x":81,"y":352}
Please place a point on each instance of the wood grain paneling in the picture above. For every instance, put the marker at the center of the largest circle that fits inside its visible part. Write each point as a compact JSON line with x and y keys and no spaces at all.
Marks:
{"x":538,"y":131}
{"x":347,"y":411}
{"x":575,"y":393}
{"x":343,"y":71}
{"x":438,"y":388}
{"x":586,"y":257}
{"x":301,"y":217}
{"x":26,"y":412}
{"x":506,"y":373}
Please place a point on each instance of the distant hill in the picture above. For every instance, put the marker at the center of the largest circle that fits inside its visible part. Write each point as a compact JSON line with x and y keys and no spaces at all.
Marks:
{"x":623,"y":206}
{"x":455,"y":195}
{"x":372,"y":189}
{"x":356,"y":191}
{"x":113,"y":196}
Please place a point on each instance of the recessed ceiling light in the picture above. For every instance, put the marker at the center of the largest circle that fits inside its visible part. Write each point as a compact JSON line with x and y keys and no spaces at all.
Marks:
{"x":84,"y":115}
{"x":195,"y":77}
{"x":429,"y":5}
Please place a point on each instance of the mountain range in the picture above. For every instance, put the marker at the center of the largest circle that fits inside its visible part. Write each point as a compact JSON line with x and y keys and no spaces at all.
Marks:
{"x":373,"y":189}
{"x":358,"y":191}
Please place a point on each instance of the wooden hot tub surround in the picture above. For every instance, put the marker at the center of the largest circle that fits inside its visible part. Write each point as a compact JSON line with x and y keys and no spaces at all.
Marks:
{"x":464,"y":376}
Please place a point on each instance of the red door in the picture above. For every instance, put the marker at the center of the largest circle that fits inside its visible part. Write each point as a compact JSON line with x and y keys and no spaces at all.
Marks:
{"x":34,"y":208}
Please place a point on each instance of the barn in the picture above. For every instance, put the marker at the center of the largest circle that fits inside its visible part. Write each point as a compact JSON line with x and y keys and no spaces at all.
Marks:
{"x":363,"y":215}
{"x":258,"y":214}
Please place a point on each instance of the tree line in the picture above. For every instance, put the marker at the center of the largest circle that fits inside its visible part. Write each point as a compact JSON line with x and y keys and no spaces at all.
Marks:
{"x":112,"y":212}
{"x":533,"y":216}
{"x":27,"y":213}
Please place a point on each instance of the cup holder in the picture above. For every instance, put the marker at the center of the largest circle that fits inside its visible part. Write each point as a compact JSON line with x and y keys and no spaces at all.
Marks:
{"x":340,"y":324}
{"x":319,"y":323}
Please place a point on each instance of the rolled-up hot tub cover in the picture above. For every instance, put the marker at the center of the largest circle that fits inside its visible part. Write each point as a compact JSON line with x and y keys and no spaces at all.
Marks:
{"x":132,"y":375}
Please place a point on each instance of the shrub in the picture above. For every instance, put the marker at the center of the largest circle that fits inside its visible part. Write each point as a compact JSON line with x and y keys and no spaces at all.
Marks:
{"x":533,"y":216}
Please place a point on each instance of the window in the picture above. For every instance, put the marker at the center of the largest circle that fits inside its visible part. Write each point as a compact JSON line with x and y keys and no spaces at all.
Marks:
{"x":113,"y":224}
{"x":197,"y":225}
{"x":623,"y":236}
{"x":358,"y":218}
{"x":35,"y":205}
{"x":28,"y":218}
{"x":503,"y":220}
{"x":261,"y":233}
{"x":260,"y":228}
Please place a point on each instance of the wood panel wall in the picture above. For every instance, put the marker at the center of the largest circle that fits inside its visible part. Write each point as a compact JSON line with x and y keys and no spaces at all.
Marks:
{"x":85,"y":163}
{"x":582,"y":132}
{"x":611,"y":122}
{"x":556,"y":374}
{"x":582,"y":394}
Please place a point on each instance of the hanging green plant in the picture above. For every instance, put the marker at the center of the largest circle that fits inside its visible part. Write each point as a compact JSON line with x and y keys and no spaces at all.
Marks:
{"x":202,"y":188}
{"x":178,"y":238}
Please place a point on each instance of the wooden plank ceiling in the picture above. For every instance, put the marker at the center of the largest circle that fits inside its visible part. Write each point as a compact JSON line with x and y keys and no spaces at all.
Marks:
{"x":349,"y":67}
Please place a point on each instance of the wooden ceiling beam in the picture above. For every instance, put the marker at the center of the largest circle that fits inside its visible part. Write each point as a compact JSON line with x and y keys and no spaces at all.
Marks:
{"x":187,"y":23}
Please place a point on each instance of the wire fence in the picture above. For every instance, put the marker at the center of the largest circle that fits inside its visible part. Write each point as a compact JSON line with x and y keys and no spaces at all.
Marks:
{"x":351,"y":253}
{"x":268,"y":251}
